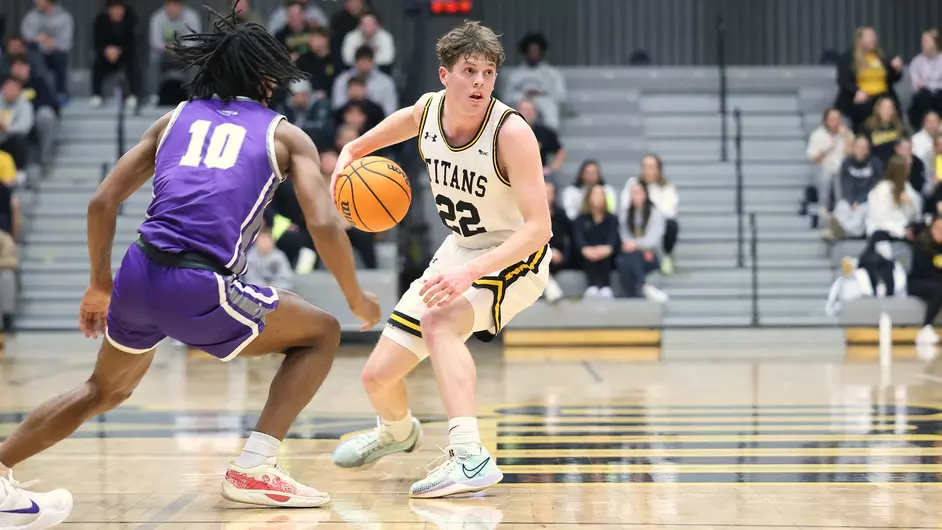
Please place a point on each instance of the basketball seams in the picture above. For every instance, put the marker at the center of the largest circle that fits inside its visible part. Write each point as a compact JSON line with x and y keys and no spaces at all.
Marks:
{"x":380,"y":202}
{"x":394,"y":181}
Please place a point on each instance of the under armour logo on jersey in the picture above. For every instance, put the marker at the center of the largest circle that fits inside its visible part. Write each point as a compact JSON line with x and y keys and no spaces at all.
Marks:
{"x":434,"y":137}
{"x":481,"y":152}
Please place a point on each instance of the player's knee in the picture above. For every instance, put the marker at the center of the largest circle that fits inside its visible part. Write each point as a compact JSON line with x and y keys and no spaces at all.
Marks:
{"x":329,"y":331}
{"x":373,"y":377}
{"x":106,"y":396}
{"x":436,"y":321}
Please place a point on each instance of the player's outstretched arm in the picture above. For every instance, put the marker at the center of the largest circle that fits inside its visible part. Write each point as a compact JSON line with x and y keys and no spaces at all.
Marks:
{"x":328,"y":229}
{"x":519,"y":157}
{"x":130,"y":173}
{"x":396,"y":128}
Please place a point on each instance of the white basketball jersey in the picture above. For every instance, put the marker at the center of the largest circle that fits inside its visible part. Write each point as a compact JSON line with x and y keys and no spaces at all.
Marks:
{"x":472,"y":194}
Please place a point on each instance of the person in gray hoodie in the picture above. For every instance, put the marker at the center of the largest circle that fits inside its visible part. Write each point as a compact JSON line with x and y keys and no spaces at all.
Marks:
{"x":268,"y":265}
{"x":49,"y":28}
{"x":925,"y":70}
{"x":16,"y":120}
{"x":859,"y":173}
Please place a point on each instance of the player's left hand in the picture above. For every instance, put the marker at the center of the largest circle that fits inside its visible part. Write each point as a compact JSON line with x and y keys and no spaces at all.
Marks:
{"x":93,"y":312}
{"x":443,"y":289}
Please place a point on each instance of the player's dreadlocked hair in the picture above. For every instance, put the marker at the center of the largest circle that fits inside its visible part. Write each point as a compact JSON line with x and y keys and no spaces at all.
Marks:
{"x":236,"y":59}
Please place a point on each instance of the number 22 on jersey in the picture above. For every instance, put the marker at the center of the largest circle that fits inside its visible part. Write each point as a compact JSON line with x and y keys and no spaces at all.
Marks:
{"x":467,"y":216}
{"x":225,"y":143}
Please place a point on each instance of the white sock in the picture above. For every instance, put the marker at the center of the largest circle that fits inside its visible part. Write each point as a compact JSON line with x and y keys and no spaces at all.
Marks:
{"x":258,"y":448}
{"x":399,"y":429}
{"x":463,"y":432}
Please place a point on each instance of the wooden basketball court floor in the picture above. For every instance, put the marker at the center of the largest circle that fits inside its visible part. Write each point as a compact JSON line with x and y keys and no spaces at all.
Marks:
{"x":588,"y":444}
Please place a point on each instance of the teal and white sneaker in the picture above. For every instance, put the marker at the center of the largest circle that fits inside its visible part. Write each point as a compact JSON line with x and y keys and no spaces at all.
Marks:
{"x":363,"y":450}
{"x":458,"y":472}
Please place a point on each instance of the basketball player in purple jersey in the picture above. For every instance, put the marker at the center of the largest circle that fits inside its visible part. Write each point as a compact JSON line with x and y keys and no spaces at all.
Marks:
{"x":216,"y":161}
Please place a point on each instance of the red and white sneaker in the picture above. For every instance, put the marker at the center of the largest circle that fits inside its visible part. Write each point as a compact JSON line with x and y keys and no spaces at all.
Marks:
{"x":269,"y":485}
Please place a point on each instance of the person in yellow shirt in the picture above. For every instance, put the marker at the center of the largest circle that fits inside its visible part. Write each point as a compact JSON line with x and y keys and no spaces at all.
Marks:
{"x":864,"y":75}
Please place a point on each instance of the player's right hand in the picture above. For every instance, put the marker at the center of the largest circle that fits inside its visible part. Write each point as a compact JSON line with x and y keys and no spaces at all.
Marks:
{"x":93,"y":312}
{"x":366,"y":308}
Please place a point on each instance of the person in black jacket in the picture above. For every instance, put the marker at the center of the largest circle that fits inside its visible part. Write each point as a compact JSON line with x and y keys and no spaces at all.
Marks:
{"x":864,"y":74}
{"x":925,"y":278}
{"x":115,"y":50}
{"x":560,"y":244}
{"x":595,"y":234}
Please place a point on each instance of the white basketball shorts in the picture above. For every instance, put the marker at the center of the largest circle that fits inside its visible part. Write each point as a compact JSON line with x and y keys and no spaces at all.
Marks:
{"x":496,"y":298}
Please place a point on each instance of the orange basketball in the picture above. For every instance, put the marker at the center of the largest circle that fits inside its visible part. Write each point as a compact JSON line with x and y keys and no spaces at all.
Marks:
{"x":373,"y":193}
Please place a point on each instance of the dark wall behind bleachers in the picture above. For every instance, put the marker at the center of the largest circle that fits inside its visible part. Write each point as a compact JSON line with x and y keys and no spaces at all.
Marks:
{"x":605,"y":32}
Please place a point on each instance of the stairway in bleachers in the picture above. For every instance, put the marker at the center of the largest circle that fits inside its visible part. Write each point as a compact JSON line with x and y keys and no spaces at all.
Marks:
{"x":625,"y":113}
{"x":54,"y":262}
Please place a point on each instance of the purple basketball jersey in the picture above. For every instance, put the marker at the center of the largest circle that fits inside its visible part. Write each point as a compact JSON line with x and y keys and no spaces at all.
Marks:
{"x":215,"y":172}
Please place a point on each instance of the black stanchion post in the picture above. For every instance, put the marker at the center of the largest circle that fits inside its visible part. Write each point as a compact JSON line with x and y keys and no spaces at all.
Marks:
{"x":740,"y":251}
{"x":754,"y":257}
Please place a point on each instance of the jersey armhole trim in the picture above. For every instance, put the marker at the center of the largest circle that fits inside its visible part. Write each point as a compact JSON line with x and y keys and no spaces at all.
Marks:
{"x":270,"y":147}
{"x":500,"y":123}
{"x":428,"y":105}
{"x":166,"y":132}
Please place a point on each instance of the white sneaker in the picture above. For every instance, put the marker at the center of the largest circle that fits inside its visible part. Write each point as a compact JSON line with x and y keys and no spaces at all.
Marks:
{"x":25,"y":510}
{"x":269,"y":485}
{"x":654,"y":294}
{"x":553,"y":292}
{"x":927,"y":335}
{"x":130,"y":103}
{"x":96,"y":102}
{"x":591,"y":292}
{"x":606,"y":292}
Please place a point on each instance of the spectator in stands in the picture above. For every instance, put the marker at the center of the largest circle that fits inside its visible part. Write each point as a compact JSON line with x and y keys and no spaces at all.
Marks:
{"x":379,"y":86}
{"x":925,"y":278}
{"x":916,"y":169}
{"x":864,"y":75}
{"x":16,"y":121}
{"x":356,"y":95}
{"x":924,"y":140}
{"x":370,"y":33}
{"x":560,"y":244}
{"x":859,"y":173}
{"x":926,"y":73}
{"x":173,"y":19}
{"x":320,"y":62}
{"x":595,"y":236}
{"x":296,"y":32}
{"x":115,"y":42}
{"x":885,"y":128}
{"x":268,"y":265}
{"x":37,"y":91}
{"x":313,"y":15}
{"x":537,"y":80}
{"x":893,"y":205}
{"x":828,"y":146}
{"x":49,"y":28}
{"x":16,"y":46}
{"x":641,"y":227}
{"x":354,"y":115}
{"x":344,"y":135}
{"x":590,"y":174}
{"x":309,"y":113}
{"x":551,"y":150}
{"x":664,"y":196}
{"x":244,"y":11}
{"x":345,"y":21}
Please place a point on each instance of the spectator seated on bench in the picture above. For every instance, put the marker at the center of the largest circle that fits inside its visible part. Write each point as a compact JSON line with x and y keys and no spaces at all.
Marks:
{"x":925,"y":278}
{"x":859,"y":173}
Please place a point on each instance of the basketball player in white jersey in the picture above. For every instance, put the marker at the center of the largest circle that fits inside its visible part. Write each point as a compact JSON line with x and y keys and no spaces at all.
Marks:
{"x":487,"y":180}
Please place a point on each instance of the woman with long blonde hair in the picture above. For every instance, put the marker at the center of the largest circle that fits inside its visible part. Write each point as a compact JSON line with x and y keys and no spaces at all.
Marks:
{"x":865,"y":74}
